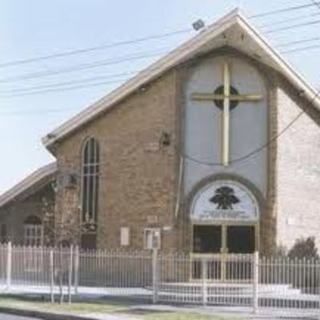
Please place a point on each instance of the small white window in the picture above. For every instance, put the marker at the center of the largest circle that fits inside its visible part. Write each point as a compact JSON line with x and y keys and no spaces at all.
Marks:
{"x":124,"y":236}
{"x":33,"y":240}
{"x":152,"y":238}
{"x":33,"y":231}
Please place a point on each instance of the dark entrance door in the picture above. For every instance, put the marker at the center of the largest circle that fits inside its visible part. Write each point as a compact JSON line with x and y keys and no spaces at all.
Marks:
{"x":207,"y":240}
{"x":240,"y":241}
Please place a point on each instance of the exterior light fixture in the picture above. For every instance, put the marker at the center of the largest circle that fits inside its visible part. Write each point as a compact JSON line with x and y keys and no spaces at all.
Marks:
{"x":197,"y":25}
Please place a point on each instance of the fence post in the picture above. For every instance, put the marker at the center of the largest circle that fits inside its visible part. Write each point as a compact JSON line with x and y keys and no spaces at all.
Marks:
{"x":155,"y":275}
{"x":317,"y":280}
{"x":51,"y":277}
{"x":255,"y":298}
{"x":9,"y":264}
{"x":204,"y":276}
{"x":70,"y":273}
{"x":76,"y":270}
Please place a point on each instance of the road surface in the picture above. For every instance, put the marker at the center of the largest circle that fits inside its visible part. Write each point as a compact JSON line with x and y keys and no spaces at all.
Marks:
{"x":10,"y":317}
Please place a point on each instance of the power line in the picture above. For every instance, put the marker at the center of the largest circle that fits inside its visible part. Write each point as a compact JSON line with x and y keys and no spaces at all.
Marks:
{"x":84,"y":66}
{"x":259,"y":149}
{"x":284,"y":10}
{"x":309,"y":23}
{"x":66,"y":88}
{"x":316,"y":3}
{"x":142,"y":39}
{"x":302,"y":49}
{"x":90,"y":49}
{"x":290,"y":43}
{"x":72,"y":82}
{"x":282,"y":21}
{"x":112,"y":61}
{"x":66,"y":85}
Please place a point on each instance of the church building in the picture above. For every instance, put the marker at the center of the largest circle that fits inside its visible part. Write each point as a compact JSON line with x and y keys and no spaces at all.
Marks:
{"x":214,"y":148}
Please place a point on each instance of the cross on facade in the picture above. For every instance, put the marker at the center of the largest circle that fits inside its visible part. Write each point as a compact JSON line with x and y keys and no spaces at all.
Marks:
{"x":228,"y":98}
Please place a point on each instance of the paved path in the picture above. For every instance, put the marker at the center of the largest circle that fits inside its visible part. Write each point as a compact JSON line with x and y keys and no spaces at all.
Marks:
{"x":10,"y":317}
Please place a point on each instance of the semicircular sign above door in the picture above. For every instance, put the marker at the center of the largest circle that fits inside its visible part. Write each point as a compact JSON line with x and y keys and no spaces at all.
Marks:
{"x":224,"y":200}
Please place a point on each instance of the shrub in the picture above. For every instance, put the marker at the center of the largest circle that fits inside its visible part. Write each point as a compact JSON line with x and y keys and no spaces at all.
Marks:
{"x":304,"y":248}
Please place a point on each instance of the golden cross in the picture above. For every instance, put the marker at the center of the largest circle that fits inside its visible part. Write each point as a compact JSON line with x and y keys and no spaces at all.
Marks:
{"x":226,"y":97}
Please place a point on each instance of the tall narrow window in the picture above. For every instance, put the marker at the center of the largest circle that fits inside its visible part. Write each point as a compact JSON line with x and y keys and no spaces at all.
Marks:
{"x":90,"y":184}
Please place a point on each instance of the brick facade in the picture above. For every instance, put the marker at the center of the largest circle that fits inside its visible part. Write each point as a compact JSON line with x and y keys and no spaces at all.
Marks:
{"x":139,"y":176}
{"x":138,"y":173}
{"x":140,"y":183}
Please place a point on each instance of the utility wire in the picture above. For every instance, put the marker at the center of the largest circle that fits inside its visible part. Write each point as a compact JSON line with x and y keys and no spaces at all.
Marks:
{"x":284,"y":10}
{"x":80,"y":84}
{"x":112,"y":61}
{"x":302,"y":49}
{"x":283,"y":21}
{"x":259,"y":149}
{"x":316,"y":3}
{"x":142,"y":39}
{"x":290,"y":43}
{"x":91,"y":49}
{"x":84,"y":66}
{"x":66,"y":88}
{"x":309,"y":23}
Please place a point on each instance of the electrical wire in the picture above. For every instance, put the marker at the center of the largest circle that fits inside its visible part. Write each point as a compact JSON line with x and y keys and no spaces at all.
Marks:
{"x":259,"y":149}
{"x":85,"y":66}
{"x":91,"y":49}
{"x":143,"y":39}
{"x":299,"y":25}
{"x":70,"y":85}
{"x":275,"y":23}
{"x":284,"y":10}
{"x":302,"y":49}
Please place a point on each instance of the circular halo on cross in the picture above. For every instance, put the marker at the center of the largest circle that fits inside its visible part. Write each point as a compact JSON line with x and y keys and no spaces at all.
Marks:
{"x":219,"y":103}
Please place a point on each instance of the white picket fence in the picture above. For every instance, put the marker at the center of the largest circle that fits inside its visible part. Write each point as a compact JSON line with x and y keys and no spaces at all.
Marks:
{"x":231,"y":280}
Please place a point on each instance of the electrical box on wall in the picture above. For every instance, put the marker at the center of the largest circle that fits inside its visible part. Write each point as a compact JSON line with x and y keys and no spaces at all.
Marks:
{"x":152,"y":238}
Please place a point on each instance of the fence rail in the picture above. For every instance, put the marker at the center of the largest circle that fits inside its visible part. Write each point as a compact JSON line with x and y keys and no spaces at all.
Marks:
{"x":229,"y":280}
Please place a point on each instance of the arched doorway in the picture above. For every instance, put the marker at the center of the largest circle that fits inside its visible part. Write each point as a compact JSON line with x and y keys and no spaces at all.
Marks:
{"x":225,"y":223}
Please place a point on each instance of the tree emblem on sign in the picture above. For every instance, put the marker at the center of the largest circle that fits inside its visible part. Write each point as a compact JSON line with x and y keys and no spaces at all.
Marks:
{"x":224,"y":197}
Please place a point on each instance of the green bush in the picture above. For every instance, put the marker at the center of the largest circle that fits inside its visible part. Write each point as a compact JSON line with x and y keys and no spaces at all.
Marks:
{"x":304,"y":248}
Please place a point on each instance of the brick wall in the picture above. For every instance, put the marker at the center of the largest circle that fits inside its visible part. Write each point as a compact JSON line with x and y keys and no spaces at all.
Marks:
{"x":298,"y":169}
{"x":138,"y":174}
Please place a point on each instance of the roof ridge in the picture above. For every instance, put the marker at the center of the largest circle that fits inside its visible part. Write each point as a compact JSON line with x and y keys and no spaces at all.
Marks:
{"x":27,"y":182}
{"x":180,"y":54}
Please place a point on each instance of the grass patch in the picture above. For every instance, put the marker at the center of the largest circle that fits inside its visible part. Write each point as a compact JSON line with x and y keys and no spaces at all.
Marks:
{"x":99,"y":306}
{"x":104,"y":306}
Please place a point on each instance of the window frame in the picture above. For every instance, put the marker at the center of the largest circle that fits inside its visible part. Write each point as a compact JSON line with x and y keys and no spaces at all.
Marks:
{"x":90,"y":184}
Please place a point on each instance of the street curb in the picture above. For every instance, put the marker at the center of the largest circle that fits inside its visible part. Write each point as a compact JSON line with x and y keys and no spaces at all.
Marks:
{"x":42,"y":314}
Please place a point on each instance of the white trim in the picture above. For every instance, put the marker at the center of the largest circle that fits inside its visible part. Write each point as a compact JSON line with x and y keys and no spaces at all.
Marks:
{"x":177,"y":56}
{"x":28,"y":182}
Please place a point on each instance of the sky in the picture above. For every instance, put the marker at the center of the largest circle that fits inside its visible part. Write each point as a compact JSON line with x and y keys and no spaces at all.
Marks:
{"x":37,"y":96}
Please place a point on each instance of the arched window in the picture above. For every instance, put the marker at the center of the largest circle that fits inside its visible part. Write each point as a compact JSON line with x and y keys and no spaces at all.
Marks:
{"x":33,"y":231}
{"x":90,"y":183}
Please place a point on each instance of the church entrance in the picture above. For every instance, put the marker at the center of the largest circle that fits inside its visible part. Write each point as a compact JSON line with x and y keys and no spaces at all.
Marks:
{"x":225,"y":231}
{"x":223,"y":250}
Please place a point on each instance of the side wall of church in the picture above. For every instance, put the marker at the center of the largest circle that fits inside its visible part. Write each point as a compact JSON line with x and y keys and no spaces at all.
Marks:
{"x":15,"y":213}
{"x":137,"y":172}
{"x":298,"y":169}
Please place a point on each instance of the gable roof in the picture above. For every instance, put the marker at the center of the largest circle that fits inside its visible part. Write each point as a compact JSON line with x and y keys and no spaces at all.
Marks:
{"x":233,"y":30}
{"x":37,"y":179}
